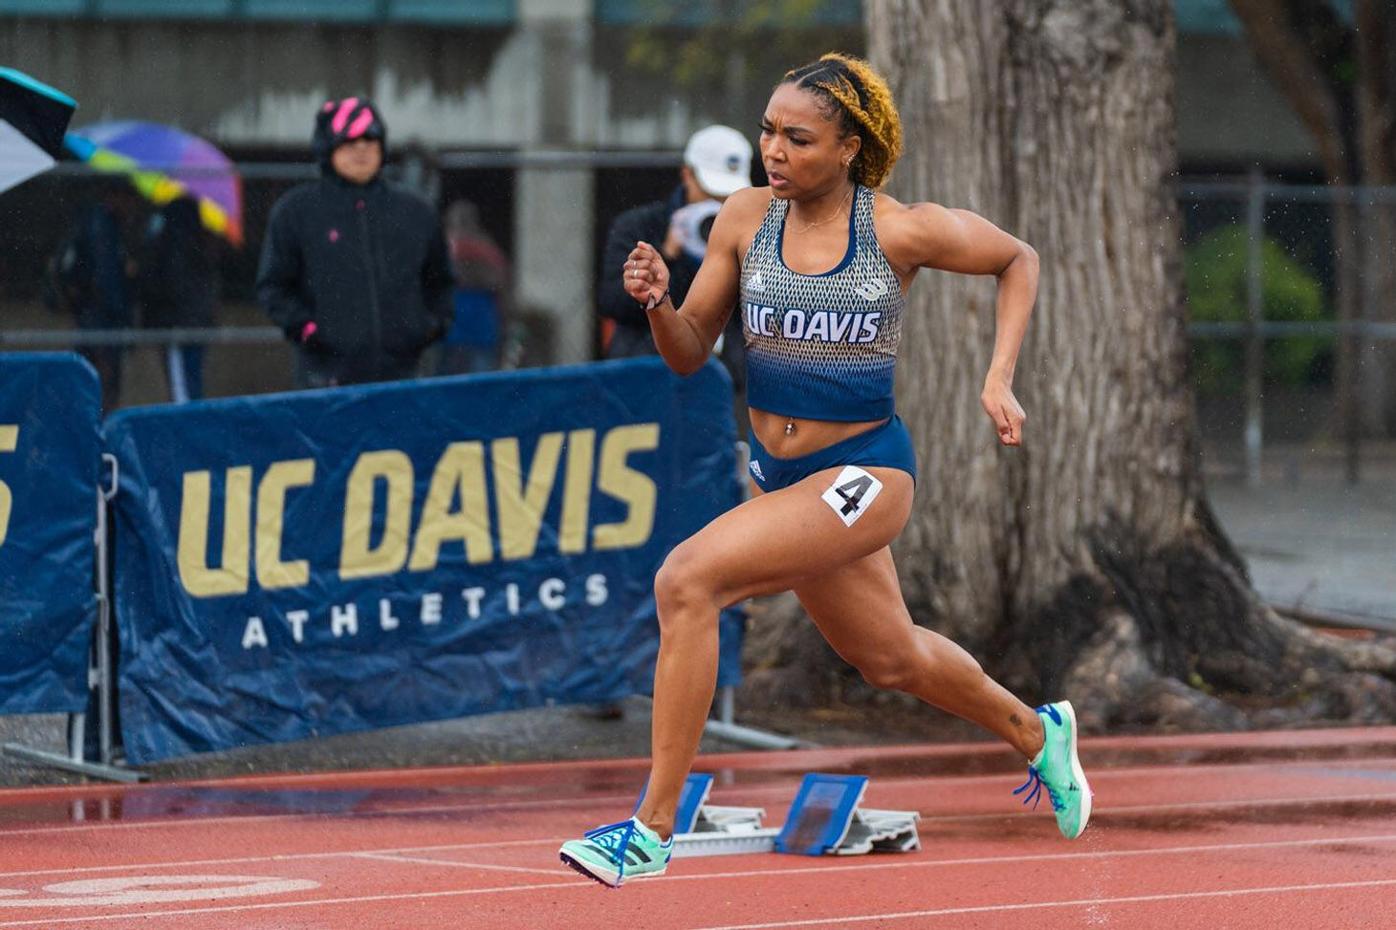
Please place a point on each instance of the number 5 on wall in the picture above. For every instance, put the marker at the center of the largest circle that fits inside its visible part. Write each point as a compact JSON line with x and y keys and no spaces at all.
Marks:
{"x":9,"y":439}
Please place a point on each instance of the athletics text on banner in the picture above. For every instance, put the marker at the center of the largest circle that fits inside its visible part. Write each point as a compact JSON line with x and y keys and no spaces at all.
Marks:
{"x":305,"y":564}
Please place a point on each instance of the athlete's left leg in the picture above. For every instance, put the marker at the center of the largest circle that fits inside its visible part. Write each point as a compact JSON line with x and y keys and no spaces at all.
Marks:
{"x":859,"y":609}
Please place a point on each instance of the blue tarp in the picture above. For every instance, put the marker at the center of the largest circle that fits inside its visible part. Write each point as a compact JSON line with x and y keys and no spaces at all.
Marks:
{"x":304,"y":564}
{"x":50,"y":454}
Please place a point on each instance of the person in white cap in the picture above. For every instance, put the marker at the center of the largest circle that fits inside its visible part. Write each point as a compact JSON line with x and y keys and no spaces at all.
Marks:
{"x":717,"y":164}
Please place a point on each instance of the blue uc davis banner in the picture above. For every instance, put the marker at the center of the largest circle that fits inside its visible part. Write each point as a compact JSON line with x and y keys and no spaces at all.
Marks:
{"x":50,"y":456}
{"x":305,"y":564}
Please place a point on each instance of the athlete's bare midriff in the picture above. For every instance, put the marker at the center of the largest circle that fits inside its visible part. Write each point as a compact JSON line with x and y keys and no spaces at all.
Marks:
{"x":807,"y":437}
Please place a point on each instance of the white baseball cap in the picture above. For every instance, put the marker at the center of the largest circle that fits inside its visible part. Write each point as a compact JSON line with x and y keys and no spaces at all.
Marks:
{"x":721,"y":160}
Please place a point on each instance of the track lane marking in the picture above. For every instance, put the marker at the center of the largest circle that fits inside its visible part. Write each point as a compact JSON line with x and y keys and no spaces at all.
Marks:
{"x":1079,"y":902}
{"x":776,"y":873}
{"x":311,"y":815}
{"x":1314,"y":767}
{"x":1103,"y":813}
{"x":451,"y":863}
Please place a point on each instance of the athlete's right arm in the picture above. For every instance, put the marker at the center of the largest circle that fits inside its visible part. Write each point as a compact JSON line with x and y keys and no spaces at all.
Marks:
{"x":685,"y":335}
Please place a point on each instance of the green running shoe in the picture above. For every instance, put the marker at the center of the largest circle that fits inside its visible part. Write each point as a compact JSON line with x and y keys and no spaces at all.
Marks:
{"x":1058,"y":768}
{"x":617,"y":852}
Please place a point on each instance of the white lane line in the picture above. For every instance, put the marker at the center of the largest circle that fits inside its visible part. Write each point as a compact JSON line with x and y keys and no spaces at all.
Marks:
{"x":1098,"y":777}
{"x":451,"y":863}
{"x":579,"y":883}
{"x":901,"y":915}
{"x":881,"y":864}
{"x":311,"y":815}
{"x":1101,"y":814}
{"x":627,"y":799}
{"x":1079,"y":902}
{"x":285,"y":857}
{"x":1053,"y":857}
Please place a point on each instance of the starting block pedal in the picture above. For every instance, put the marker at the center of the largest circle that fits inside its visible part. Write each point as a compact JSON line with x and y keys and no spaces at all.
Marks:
{"x":703,"y":829}
{"x":824,"y":819}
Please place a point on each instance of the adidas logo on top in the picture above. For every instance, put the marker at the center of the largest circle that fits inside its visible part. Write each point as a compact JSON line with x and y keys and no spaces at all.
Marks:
{"x":873,"y":289}
{"x":754,"y":283}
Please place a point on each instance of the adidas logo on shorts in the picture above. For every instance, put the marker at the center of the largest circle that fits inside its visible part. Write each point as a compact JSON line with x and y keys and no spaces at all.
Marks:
{"x":755,"y":467}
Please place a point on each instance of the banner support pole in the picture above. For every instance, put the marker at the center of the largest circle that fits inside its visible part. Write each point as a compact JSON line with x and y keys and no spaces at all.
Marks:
{"x":105,"y":703}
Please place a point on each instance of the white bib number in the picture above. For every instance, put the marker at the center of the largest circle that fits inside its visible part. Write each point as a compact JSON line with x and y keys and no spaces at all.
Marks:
{"x":851,"y":493}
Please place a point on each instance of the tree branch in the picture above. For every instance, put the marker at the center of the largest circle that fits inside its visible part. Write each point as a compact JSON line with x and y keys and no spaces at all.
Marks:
{"x":1376,"y":66}
{"x":1293,"y":63}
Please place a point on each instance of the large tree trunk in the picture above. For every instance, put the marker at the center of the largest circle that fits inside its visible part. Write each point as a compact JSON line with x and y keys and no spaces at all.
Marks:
{"x":1087,"y":563}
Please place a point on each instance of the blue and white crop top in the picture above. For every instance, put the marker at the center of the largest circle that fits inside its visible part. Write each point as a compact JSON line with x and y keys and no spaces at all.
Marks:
{"x":824,"y":346}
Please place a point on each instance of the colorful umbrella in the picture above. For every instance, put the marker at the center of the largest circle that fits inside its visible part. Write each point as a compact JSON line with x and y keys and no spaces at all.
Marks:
{"x":165,"y":163}
{"x":32,"y":119}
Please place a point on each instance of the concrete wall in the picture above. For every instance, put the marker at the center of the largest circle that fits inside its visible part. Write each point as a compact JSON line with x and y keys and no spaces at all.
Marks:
{"x":554,"y":81}
{"x":1229,"y":114}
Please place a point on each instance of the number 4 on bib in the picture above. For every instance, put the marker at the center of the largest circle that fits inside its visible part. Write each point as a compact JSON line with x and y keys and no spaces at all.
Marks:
{"x":851,"y":493}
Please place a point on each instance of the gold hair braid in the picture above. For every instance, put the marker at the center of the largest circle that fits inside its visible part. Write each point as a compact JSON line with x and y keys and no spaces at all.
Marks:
{"x":879,"y":118}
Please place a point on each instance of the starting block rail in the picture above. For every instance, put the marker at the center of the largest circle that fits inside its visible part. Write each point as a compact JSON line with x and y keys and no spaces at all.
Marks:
{"x":824,"y":819}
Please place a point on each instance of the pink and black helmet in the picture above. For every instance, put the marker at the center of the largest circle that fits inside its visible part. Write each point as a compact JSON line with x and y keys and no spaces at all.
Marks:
{"x":341,"y":121}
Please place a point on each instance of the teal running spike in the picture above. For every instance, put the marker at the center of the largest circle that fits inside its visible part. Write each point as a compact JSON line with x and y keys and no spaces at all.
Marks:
{"x":1058,"y":769}
{"x":618,"y":852}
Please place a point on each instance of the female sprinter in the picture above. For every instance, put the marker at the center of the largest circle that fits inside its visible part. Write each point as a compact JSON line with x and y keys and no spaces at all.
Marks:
{"x":819,"y":264}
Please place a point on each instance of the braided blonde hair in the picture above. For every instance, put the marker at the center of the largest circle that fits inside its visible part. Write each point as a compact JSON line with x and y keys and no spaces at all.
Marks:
{"x":859,"y":98}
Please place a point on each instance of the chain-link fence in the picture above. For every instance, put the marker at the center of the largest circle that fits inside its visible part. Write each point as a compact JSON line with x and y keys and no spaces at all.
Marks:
{"x":1281,"y":363}
{"x":243,"y":353}
{"x":1288,"y":336}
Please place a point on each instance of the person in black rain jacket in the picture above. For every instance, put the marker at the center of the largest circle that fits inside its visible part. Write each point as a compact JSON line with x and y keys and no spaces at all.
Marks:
{"x":354,"y":270}
{"x":716,"y":164}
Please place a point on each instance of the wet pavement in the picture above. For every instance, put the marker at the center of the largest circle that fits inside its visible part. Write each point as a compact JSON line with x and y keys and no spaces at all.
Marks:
{"x":1322,"y":545}
{"x":558,"y":733}
{"x":1313,"y":541}
{"x":1243,"y":831}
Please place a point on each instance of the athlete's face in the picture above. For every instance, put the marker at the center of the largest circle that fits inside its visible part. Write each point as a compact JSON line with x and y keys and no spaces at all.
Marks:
{"x":358,"y":161}
{"x":803,"y":149}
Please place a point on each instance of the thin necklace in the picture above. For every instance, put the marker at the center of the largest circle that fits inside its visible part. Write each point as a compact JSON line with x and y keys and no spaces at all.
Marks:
{"x":832,"y":216}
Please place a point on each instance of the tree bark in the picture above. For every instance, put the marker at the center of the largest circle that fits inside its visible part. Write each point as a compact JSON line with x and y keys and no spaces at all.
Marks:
{"x":1086,"y":564}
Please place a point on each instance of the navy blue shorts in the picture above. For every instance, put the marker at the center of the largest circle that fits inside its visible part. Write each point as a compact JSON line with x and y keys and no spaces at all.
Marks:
{"x":885,"y":446}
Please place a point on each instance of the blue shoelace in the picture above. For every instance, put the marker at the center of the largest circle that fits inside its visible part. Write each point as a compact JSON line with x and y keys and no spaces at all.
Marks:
{"x":613,"y":838}
{"x":1035,"y":782}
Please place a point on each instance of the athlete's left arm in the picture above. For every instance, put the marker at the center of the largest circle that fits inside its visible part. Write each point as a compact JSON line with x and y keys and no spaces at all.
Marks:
{"x":927,"y":235}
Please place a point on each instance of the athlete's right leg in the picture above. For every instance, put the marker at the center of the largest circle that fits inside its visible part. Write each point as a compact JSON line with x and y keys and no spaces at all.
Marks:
{"x":762,"y":546}
{"x":765,"y":545}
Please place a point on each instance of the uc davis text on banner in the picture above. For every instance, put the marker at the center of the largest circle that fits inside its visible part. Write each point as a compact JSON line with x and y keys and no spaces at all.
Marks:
{"x":305,"y":564}
{"x":50,"y":456}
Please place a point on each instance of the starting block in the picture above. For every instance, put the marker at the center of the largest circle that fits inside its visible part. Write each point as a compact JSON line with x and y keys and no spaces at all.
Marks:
{"x":824,"y":819}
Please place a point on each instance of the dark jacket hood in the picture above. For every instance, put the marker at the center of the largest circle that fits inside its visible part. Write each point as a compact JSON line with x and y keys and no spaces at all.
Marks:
{"x":341,"y":121}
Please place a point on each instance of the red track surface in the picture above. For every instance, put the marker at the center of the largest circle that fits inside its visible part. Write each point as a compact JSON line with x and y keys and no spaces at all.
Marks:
{"x":1294,"y":830}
